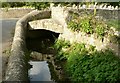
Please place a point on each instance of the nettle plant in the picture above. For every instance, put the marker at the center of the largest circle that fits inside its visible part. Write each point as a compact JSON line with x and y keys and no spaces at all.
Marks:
{"x":88,"y":24}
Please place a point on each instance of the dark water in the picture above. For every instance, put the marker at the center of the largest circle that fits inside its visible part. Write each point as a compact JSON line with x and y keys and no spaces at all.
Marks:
{"x":39,"y":41}
{"x":39,"y":71}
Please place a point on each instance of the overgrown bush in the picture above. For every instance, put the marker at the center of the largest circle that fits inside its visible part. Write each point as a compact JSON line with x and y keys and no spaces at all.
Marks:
{"x":89,"y":24}
{"x":88,"y":65}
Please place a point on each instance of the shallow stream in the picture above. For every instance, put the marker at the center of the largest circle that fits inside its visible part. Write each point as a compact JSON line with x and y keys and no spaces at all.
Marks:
{"x":39,"y":44}
{"x":39,"y":71}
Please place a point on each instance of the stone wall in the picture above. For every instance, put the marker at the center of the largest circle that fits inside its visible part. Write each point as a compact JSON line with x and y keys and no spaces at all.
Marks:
{"x":104,"y":13}
{"x":82,"y":37}
{"x":62,"y":15}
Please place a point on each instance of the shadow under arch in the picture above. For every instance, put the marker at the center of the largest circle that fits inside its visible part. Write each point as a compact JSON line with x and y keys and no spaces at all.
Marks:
{"x":40,"y":40}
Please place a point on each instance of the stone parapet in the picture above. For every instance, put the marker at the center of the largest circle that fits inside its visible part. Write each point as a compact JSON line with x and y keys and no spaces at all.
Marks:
{"x":17,"y":65}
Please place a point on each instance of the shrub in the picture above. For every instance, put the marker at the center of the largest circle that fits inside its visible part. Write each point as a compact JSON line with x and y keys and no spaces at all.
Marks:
{"x":88,"y":24}
{"x":88,"y":65}
{"x":58,"y":46}
{"x":85,"y":25}
{"x":100,"y":30}
{"x":99,"y":67}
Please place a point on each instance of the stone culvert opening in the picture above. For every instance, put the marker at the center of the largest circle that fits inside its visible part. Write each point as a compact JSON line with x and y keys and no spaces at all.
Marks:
{"x":40,"y":40}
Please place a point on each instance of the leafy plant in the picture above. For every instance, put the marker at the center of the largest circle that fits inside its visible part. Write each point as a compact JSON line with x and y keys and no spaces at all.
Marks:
{"x":82,"y":66}
{"x":73,"y":25}
{"x":58,"y":46}
{"x":100,"y":30}
{"x":85,"y":26}
{"x":89,"y":24}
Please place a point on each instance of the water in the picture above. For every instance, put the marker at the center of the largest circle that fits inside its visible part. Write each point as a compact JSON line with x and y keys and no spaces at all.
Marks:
{"x":40,"y":42}
{"x":39,"y":71}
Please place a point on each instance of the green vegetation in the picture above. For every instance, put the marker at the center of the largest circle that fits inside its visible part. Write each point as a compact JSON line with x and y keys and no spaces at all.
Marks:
{"x":89,"y":24}
{"x":13,"y":4}
{"x":36,"y":5}
{"x":86,"y":64}
{"x":58,"y":46}
{"x":114,"y":23}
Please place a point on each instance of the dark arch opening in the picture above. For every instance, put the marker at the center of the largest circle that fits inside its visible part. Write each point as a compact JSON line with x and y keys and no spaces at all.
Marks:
{"x":40,"y":40}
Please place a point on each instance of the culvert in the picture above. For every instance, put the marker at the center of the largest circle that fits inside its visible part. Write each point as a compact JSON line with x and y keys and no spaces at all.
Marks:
{"x":39,"y":40}
{"x":39,"y":44}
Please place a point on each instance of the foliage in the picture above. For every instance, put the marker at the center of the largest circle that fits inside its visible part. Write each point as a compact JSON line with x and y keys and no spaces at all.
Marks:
{"x":89,"y":24}
{"x":73,"y":25}
{"x":114,"y":23}
{"x":88,"y":65}
{"x":36,"y":5}
{"x":13,"y":4}
{"x":100,"y":30}
{"x":85,"y":24}
{"x":58,"y":46}
{"x":98,"y":67}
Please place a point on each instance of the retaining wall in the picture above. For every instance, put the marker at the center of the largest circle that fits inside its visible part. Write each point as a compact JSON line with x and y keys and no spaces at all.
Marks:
{"x":106,"y":14}
{"x":63,"y":15}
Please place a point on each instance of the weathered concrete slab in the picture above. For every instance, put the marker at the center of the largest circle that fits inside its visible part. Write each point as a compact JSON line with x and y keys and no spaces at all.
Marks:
{"x":47,"y":24}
